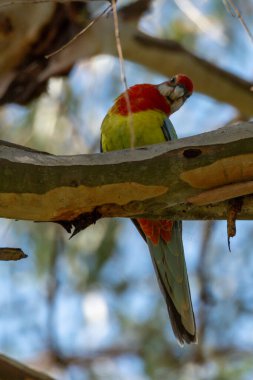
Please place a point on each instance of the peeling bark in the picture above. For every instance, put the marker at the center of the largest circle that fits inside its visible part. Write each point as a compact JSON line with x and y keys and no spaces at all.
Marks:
{"x":69,"y":189}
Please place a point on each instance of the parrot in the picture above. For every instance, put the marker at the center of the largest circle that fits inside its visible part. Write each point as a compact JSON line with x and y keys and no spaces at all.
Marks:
{"x":140,"y":117}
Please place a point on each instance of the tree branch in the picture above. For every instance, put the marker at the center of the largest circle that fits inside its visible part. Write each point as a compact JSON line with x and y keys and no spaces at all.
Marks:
{"x":24,"y":71}
{"x":11,"y":254}
{"x":11,"y":369}
{"x":196,"y":178}
{"x":163,"y":56}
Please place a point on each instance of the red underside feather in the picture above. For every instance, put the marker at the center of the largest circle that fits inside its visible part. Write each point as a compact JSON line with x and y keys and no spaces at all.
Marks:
{"x":156,"y":229}
{"x":142,"y":97}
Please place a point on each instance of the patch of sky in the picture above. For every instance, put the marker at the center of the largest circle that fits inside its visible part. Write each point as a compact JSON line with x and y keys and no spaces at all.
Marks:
{"x":139,"y":301}
{"x":220,"y":38}
{"x":15,"y":114}
{"x":131,"y":249}
{"x":122,"y":369}
{"x":201,"y":114}
{"x":130,"y":366}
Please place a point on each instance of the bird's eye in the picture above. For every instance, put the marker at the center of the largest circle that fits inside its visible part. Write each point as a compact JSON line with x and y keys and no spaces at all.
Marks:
{"x":173,"y":80}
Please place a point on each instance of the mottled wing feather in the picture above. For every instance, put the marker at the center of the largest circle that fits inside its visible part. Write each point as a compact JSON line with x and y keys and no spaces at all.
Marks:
{"x":169,"y":130}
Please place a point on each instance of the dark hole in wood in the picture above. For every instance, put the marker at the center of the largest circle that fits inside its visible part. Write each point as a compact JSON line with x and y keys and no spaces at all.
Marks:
{"x":192,"y":153}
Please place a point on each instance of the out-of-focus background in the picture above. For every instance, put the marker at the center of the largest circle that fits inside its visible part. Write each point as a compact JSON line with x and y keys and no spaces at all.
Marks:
{"x":89,"y":308}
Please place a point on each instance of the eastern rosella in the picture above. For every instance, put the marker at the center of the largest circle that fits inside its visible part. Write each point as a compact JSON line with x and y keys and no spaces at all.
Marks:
{"x":148,"y":123}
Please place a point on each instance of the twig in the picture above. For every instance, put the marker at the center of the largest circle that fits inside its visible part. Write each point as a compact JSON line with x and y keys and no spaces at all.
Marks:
{"x":8,"y":254}
{"x":235,"y":12}
{"x":79,"y":34}
{"x":123,"y":71}
{"x":234,"y":207}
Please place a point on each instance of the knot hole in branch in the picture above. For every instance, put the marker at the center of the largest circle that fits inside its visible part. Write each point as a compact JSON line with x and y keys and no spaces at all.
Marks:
{"x":192,"y":153}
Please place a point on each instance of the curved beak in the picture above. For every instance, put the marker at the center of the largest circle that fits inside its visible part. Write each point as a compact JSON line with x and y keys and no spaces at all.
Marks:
{"x":179,"y":91}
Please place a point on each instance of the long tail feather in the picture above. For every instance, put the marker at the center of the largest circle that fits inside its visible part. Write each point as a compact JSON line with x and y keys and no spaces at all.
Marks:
{"x":169,"y":263}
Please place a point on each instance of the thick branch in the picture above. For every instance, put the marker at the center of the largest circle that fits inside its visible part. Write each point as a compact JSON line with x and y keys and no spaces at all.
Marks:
{"x":11,"y":369}
{"x":192,"y":178}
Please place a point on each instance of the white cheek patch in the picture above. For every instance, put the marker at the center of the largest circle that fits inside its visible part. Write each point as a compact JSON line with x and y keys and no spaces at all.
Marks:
{"x":165,"y":90}
{"x":175,"y":96}
{"x":177,"y":93}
